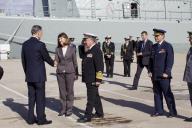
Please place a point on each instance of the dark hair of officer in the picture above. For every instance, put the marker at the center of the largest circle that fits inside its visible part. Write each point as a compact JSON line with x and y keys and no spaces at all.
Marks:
{"x":83,"y":40}
{"x":144,"y":32}
{"x":35,"y":29}
{"x":71,"y":39}
{"x":64,"y":35}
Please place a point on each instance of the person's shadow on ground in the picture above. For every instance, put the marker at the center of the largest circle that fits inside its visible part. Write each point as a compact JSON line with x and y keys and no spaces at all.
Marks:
{"x":55,"y":105}
{"x":136,"y":105}
{"x":17,"y":107}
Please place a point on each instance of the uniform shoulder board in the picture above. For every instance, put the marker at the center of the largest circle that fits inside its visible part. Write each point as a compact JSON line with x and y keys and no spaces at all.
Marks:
{"x":99,"y":75}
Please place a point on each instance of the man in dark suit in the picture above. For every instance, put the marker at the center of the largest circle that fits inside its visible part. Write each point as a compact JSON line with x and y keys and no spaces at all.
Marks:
{"x":161,"y":64}
{"x":1,"y":72}
{"x":109,"y":55}
{"x":92,"y":75}
{"x":188,"y":72}
{"x":143,"y":52}
{"x":33,"y":55}
{"x":127,"y":56}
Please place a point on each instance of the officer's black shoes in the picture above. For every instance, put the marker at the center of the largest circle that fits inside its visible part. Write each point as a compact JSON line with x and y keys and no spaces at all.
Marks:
{"x":61,"y":114}
{"x":133,"y":88}
{"x":188,"y":119}
{"x":84,"y":120}
{"x":68,"y":114}
{"x":170,"y":115}
{"x":96,"y":116}
{"x":156,"y":114}
{"x":44,"y":122}
{"x":32,"y":122}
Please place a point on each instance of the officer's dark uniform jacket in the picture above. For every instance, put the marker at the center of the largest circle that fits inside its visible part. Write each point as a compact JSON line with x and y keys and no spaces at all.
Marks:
{"x":108,"y":49}
{"x":162,"y":59}
{"x":188,"y":68}
{"x":145,"y":50}
{"x":92,"y":70}
{"x":127,"y":51}
{"x":81,"y":49}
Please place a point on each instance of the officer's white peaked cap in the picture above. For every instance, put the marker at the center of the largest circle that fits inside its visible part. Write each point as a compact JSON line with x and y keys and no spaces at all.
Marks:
{"x":89,"y":35}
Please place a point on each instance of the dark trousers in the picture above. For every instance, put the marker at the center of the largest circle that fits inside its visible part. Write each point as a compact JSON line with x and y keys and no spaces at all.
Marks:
{"x":127,"y":67}
{"x":160,"y":88}
{"x":138,"y":74}
{"x":93,"y":101}
{"x":109,"y":66}
{"x":66,"y":91}
{"x":190,"y":91}
{"x":36,"y":95}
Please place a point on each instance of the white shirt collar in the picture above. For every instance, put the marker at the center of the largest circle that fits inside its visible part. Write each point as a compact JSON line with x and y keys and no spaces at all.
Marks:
{"x":91,"y":46}
{"x":64,"y":49}
{"x":161,"y":42}
{"x":35,"y":37}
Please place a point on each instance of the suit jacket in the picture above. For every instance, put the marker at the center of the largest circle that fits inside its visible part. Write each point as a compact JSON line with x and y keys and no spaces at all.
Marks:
{"x":127,"y":51}
{"x":33,"y":55}
{"x":1,"y":72}
{"x":146,"y":52}
{"x":92,"y":64}
{"x":67,"y":63}
{"x":162,"y":60}
{"x":108,"y":50}
{"x":188,"y":68}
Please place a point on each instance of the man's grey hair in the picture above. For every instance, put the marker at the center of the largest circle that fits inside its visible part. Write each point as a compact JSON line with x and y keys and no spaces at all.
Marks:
{"x":35,"y":29}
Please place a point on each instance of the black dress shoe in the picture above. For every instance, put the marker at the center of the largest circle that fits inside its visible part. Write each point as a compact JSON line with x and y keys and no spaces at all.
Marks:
{"x":156,"y":114}
{"x":188,"y":119}
{"x":96,"y":116}
{"x":61,"y":114}
{"x":133,"y":88}
{"x":44,"y":122}
{"x":170,"y":115}
{"x":84,"y":120}
{"x":31,"y":122}
{"x":68,"y":114}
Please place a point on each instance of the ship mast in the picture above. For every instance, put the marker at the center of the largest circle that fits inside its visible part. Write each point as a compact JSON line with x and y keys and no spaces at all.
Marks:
{"x":93,"y":9}
{"x":191,"y":8}
{"x":34,"y":8}
{"x":165,"y":9}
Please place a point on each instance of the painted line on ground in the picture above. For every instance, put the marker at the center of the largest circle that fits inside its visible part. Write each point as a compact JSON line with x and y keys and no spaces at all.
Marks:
{"x":25,"y":97}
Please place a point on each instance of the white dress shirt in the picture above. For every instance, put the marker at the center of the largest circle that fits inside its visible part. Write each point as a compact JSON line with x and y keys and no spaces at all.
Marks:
{"x":64,"y":49}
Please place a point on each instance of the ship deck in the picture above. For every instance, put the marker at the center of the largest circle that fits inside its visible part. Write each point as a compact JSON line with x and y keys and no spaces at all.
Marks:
{"x":123,"y":108}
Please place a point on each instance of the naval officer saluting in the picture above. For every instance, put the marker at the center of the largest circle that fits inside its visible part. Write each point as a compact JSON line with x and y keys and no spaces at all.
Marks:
{"x":161,"y":64}
{"x":92,"y":75}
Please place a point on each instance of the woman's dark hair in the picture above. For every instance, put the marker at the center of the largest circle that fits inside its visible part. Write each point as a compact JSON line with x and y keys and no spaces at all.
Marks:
{"x":64,"y":35}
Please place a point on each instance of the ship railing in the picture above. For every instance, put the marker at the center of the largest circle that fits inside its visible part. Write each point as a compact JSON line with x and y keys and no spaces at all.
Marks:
{"x":116,"y":14}
{"x":19,"y":41}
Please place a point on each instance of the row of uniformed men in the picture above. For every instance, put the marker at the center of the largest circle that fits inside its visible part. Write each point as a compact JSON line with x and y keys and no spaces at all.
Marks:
{"x":157,"y":58}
